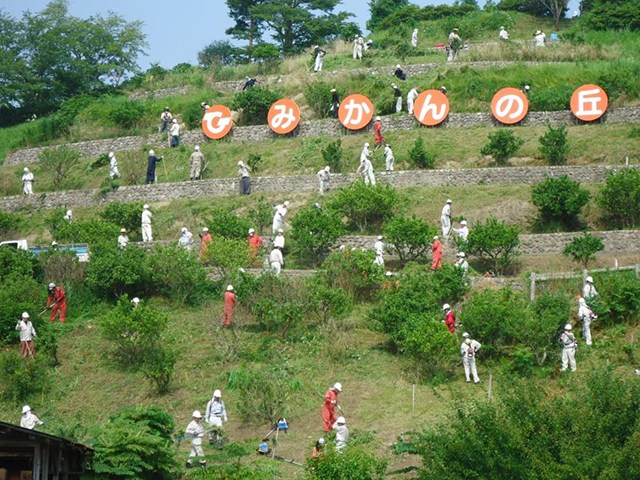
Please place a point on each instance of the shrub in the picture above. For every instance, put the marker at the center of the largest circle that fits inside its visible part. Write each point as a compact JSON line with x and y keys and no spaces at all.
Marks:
{"x":583,"y":249}
{"x":9,"y":223}
{"x":554,"y":147}
{"x":192,"y":116}
{"x":332,"y":156}
{"x":22,"y":380}
{"x":420,"y":157}
{"x":126,"y":114}
{"x":559,"y":200}
{"x":177,"y":274}
{"x":318,"y":96}
{"x":429,"y":343}
{"x":495,"y":242}
{"x":255,"y":104}
{"x":261,"y":215}
{"x":333,"y":303}
{"x":264,"y":394}
{"x":58,"y":163}
{"x":315,"y":232}
{"x":227,"y":256}
{"x":366,"y":205}
{"x":18,"y":294}
{"x":253,"y":162}
{"x":619,"y":300}
{"x":502,"y":145}
{"x":556,"y":99}
{"x":124,"y":215}
{"x":409,"y":238}
{"x":540,"y":329}
{"x":62,"y":267}
{"x":354,"y":463}
{"x":133,"y":331}
{"x":223,"y":222}
{"x":352,"y":271}
{"x":113,"y":272}
{"x":159,"y":366}
{"x":620,"y":198}
{"x":94,"y":232}
{"x":17,"y":262}
{"x":135,"y":444}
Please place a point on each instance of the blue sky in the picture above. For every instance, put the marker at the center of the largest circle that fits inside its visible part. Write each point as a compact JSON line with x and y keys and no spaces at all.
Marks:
{"x":177,"y":29}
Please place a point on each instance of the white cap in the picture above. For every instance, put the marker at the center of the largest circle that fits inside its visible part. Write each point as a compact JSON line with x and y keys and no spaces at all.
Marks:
{"x":25,"y":314}
{"x":247,"y":77}
{"x":123,"y":230}
{"x":378,"y":118}
{"x":341,"y":420}
{"x":527,"y":87}
{"x":463,"y":222}
{"x":111,"y":154}
{"x":436,"y":237}
{"x":135,"y":300}
{"x":251,"y":230}
{"x":333,"y":90}
{"x":286,"y":203}
{"x":240,"y":163}
{"x":197,"y":149}
{"x":465,"y":335}
{"x":337,"y":386}
{"x":538,"y":32}
{"x":69,"y":212}
{"x":567,"y":326}
{"x":280,"y":230}
{"x":183,"y":229}
{"x":217,"y":394}
{"x":175,"y":121}
{"x":145,"y":206}
{"x":388,"y":274}
{"x":52,"y":285}
{"x":501,"y":28}
{"x":229,"y":288}
{"x":394,"y":85}
{"x":379,"y":237}
{"x":446,"y":306}
{"x":26,"y":169}
{"x":327,"y":168}
{"x":449,"y":200}
{"x":366,"y":144}
{"x":581,"y":301}
{"x":197,"y":414}
{"x":321,"y":441}
{"x":151,"y":152}
{"x":590,"y":279}
{"x":398,"y":66}
{"x":26,"y":409}
{"x":461,"y":254}
{"x":54,"y":243}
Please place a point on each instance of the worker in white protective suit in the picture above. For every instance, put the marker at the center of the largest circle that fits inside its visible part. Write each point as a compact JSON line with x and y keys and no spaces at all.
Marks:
{"x":589,"y":292}
{"x":68,"y":217}
{"x":504,"y":35}
{"x":113,"y":166}
{"x":414,"y":37}
{"x":278,"y":217}
{"x":27,"y":182}
{"x":586,"y":316}
{"x":569,"y":345}
{"x":175,"y":133}
{"x":29,"y":419}
{"x":398,"y":96}
{"x":445,"y":218}
{"x":389,"y":159}
{"x":358,"y":45}
{"x":215,"y":414}
{"x":342,"y":433}
{"x":196,"y":431}
{"x":469,"y":350}
{"x":411,"y":98}
{"x":539,"y":38}
{"x":147,"y":235}
{"x":186,"y":239}
{"x":197,"y":164}
{"x":123,"y":239}
{"x":27,"y":335}
{"x":463,"y":231}
{"x":278,"y":242}
{"x":366,"y":167}
{"x":462,"y":262}
{"x":319,"y":56}
{"x":324,"y":180}
{"x":276,"y":261}
{"x":379,"y":249}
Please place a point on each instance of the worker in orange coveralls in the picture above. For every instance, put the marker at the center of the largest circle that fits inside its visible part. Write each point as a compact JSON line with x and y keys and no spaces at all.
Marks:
{"x":377,"y":129}
{"x":256,"y":242}
{"x":436,"y":247}
{"x":205,"y":240}
{"x":329,"y":406}
{"x":229,"y":306}
{"x":450,"y":319}
{"x":59,"y":299}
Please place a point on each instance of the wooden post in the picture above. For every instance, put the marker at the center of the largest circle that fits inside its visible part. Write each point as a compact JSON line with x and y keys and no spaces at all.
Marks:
{"x":533,"y":286}
{"x":37,"y":461}
{"x":637,"y":271}
{"x":490,"y":382}
{"x":615,"y":263}
{"x":632,"y":339}
{"x":413,"y":400}
{"x":626,"y":161}
{"x":45,"y":461}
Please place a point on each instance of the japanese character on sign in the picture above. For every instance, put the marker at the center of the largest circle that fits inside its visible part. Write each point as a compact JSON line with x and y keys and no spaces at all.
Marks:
{"x":509,"y":105}
{"x":284,"y":116}
{"x":431,"y":107}
{"x":589,"y":102}
{"x":216,"y":122}
{"x":356,"y":112}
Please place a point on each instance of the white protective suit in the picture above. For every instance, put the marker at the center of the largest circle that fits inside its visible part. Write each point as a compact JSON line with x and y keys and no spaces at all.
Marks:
{"x":366,"y":168}
{"x":27,"y":183}
{"x":379,"y":248}
{"x":278,"y":242}
{"x":568,"y":351}
{"x":278,"y":218}
{"x":196,"y":429}
{"x":319,"y":60}
{"x":123,"y":241}
{"x":504,"y":35}
{"x":586,"y":316}
{"x":589,"y":291}
{"x":342,"y":435}
{"x":358,"y":44}
{"x":147,"y":235}
{"x":27,"y":332}
{"x":113,"y":167}
{"x":463,"y":232}
{"x":445,"y":219}
{"x":216,"y":413}
{"x":463,"y":264}
{"x":29,"y":421}
{"x":324,"y":180}
{"x":414,"y":37}
{"x":468,"y":350}
{"x":411,"y":98}
{"x":276,"y":261}
{"x":388,"y":158}
{"x":186,"y":240}
{"x":539,"y":39}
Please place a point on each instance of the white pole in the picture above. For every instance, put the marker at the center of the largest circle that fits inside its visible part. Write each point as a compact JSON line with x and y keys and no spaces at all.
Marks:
{"x":490,"y":382}
{"x":413,"y":400}
{"x":533,"y":286}
{"x":632,"y":339}
{"x":626,"y":161}
{"x":615,"y":262}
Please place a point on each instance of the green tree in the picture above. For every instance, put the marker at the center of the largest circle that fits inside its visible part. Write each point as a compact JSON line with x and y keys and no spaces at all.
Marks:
{"x":255,"y":104}
{"x":354,"y":463}
{"x":124,"y":215}
{"x":420,"y":157}
{"x":333,"y":303}
{"x":559,"y":200}
{"x":113,"y":271}
{"x":365,"y":205}
{"x":554,"y":146}
{"x":502,"y":145}
{"x":297,"y":24}
{"x":227,"y":256}
{"x":318,"y":96}
{"x":381,"y":9}
{"x":315,"y":232}
{"x":620,"y":198}
{"x":352,"y":271}
{"x":583,"y":249}
{"x":219,"y":52}
{"x":610,"y":15}
{"x":9,"y":223}
{"x":494,"y":242}
{"x":261,"y":214}
{"x":248,"y":26}
{"x":409,"y":238}
{"x":58,"y":163}
{"x":224,"y":222}
{"x":332,"y":156}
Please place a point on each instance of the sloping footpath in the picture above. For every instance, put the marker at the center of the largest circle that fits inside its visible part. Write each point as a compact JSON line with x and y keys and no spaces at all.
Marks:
{"x":216,"y":187}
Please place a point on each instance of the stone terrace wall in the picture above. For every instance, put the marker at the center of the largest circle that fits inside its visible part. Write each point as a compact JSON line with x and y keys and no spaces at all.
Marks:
{"x":216,"y":187}
{"x":318,"y":128}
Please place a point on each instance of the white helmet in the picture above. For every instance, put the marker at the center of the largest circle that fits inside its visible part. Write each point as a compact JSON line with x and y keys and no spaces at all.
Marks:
{"x":286,"y":203}
{"x":567,"y":326}
{"x":54,"y":244}
{"x":462,"y":255}
{"x":25,"y":314}
{"x":111,"y":154}
{"x":465,"y":335}
{"x":449,"y":200}
{"x":389,"y":274}
{"x":446,"y":306}
{"x":590,"y":279}
{"x":337,"y":386}
{"x":379,"y":237}
{"x":436,"y":237}
{"x":123,"y":230}
{"x":205,"y":229}
{"x":197,"y":414}
{"x":240,"y":163}
{"x":251,"y":230}
{"x":69,"y":212}
{"x":366,"y":144}
{"x":321,"y":441}
{"x":26,"y":170}
{"x":145,"y":206}
{"x":217,"y":394}
{"x":229,"y":288}
{"x":463,"y":222}
{"x":327,"y":168}
{"x":175,"y":121}
{"x":52,"y":286}
{"x":341,"y":420}
{"x":197,"y":149}
{"x":135,"y":300}
{"x":151,"y":152}
{"x":280,"y":230}
{"x":26,"y":409}
{"x":398,"y":66}
{"x":378,"y":119}
{"x":581,"y":301}
{"x":183,"y":230}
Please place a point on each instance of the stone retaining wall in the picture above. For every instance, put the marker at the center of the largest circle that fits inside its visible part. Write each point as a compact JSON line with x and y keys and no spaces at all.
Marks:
{"x":217,"y":187}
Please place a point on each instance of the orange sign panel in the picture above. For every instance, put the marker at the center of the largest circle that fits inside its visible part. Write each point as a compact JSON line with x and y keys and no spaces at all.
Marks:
{"x":509,"y":105}
{"x":431,"y":107}
{"x":216,"y":122}
{"x":284,"y":116}
{"x":589,"y":102}
{"x":356,"y":112}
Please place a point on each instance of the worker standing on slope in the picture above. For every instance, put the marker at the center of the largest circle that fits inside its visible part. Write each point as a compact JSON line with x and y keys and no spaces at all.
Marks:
{"x":504,"y":35}
{"x":589,"y":292}
{"x":462,"y":263}
{"x":319,"y":58}
{"x":455,"y":43}
{"x":436,"y":249}
{"x":166,"y":119}
{"x":27,"y":182}
{"x":324,"y":180}
{"x":450,"y":318}
{"x":152,"y":161}
{"x":445,"y":218}
{"x":342,"y":433}
{"x":29,"y":419}
{"x":398,"y":96}
{"x":358,"y":45}
{"x":377,"y":130}
{"x":256,"y":242}
{"x":186,"y":239}
{"x":196,"y":431}
{"x":389,"y":159}
{"x":463,"y":231}
{"x":276,"y":261}
{"x":147,"y":235}
{"x":411,"y":98}
{"x":175,"y":133}
{"x":379,"y":249}
{"x":58,"y":298}
{"x":469,"y":349}
{"x":245,"y":178}
{"x":229,"y":306}
{"x":318,"y":448}
{"x":27,"y":334}
{"x":399,"y":73}
{"x":414,"y":38}
{"x":214,"y":415}
{"x":113,"y":166}
{"x":278,"y":217}
{"x":329,"y":406}
{"x":123,"y":239}
{"x":568,"y":341}
{"x":586,"y":316}
{"x":366,"y":167}
{"x":197,"y":163}
{"x":205,"y":241}
{"x":335,"y":102}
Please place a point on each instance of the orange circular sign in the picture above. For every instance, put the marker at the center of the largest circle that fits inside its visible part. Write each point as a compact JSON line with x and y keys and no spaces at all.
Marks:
{"x":216,"y":122}
{"x":356,"y":112}
{"x":284,"y":116}
{"x":509,"y":105}
{"x":431,"y":107}
{"x":589,"y":102}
